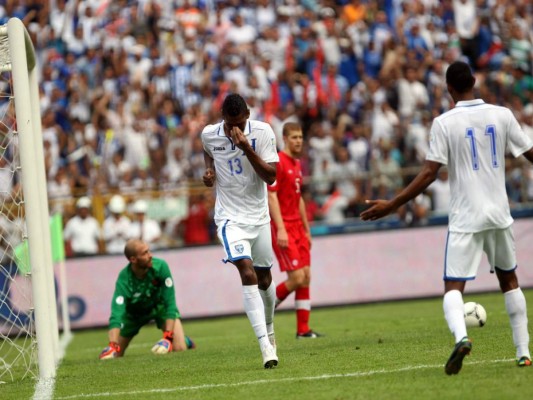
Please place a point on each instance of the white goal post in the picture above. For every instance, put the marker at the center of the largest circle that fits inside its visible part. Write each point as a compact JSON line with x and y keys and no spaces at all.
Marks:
{"x":18,"y":61}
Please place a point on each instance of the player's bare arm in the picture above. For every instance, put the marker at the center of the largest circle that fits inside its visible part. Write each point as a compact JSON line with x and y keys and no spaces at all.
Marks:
{"x":275,"y":213}
{"x":209,"y":174}
{"x":380,"y":208}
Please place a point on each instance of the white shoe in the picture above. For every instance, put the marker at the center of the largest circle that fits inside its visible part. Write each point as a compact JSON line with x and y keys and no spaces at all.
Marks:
{"x":270,"y":359}
{"x":272,"y":340}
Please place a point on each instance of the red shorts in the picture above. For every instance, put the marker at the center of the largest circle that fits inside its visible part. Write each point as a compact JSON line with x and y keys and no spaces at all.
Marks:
{"x":297,"y":255}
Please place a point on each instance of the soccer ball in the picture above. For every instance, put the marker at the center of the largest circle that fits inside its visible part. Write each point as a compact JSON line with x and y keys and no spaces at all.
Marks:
{"x":475,"y":315}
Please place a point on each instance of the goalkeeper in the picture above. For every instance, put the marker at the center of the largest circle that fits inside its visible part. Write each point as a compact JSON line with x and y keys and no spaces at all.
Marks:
{"x":144,"y":292}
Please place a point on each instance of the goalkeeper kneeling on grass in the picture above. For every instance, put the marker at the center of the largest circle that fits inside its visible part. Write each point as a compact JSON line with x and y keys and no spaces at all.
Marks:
{"x":144,"y":292}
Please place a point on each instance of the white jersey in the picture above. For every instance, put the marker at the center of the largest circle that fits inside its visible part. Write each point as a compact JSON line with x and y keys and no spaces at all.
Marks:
{"x":241,"y":195}
{"x":472,"y":139}
{"x":83,"y":233}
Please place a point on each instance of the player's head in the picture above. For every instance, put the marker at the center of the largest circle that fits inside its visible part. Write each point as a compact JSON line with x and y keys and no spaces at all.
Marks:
{"x":138,"y":253}
{"x":293,"y":139}
{"x":235,"y":112}
{"x":459,"y":79}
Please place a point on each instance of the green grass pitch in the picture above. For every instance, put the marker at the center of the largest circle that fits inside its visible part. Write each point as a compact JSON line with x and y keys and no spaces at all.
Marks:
{"x":393,"y":350}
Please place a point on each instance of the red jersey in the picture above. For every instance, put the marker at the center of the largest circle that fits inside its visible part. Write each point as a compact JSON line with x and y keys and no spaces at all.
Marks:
{"x":287,"y":186}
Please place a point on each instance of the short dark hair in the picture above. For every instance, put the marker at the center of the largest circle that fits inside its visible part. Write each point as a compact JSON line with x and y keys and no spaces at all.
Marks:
{"x":459,"y":77}
{"x":234,"y":105}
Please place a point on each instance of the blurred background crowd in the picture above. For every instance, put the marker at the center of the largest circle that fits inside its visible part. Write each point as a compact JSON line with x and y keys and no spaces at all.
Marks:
{"x":127,"y":86}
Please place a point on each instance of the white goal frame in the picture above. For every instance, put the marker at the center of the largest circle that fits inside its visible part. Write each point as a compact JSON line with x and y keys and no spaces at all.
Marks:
{"x":21,"y":61}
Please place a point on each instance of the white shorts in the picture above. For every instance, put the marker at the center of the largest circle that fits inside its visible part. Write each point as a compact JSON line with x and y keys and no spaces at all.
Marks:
{"x":246,"y":241}
{"x":464,"y":252}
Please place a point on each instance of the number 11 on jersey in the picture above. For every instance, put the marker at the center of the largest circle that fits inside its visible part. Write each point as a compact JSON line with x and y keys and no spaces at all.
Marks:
{"x":490,"y":131}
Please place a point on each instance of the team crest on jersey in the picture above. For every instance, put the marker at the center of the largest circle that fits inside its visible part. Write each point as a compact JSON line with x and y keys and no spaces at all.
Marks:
{"x":239,"y":248}
{"x":168,"y":282}
{"x":119,"y":300}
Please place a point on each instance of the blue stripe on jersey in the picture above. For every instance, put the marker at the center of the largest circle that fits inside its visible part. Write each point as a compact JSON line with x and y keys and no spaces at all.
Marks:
{"x":447,"y":278}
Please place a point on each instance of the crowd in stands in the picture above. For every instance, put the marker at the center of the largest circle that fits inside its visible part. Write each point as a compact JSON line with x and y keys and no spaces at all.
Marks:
{"x":127,"y":86}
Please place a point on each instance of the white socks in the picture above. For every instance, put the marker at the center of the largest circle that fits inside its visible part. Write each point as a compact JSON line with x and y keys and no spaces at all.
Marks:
{"x":269,"y":301}
{"x":515,"y":304}
{"x":454,"y":313}
{"x":253,"y":306}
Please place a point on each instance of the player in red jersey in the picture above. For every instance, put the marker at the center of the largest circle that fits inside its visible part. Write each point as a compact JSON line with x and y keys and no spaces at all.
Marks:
{"x":291,"y":236}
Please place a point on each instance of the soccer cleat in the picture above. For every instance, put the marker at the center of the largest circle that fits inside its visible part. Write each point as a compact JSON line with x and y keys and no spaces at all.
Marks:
{"x":189,"y":342}
{"x":310,"y":334}
{"x":460,"y":351}
{"x":524,"y":361}
{"x":111,"y":351}
{"x":270,"y":359}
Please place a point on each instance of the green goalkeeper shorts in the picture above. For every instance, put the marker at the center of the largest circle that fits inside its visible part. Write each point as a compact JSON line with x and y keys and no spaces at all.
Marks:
{"x":131,"y":325}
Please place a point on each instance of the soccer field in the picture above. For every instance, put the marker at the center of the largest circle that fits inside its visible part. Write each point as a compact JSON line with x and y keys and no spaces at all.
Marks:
{"x":393,"y":350}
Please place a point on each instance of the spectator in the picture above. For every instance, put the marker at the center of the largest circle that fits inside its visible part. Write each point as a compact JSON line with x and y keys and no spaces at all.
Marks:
{"x":334,"y":207}
{"x":348,"y":179}
{"x":82,"y":233}
{"x":467,"y":24}
{"x":416,"y":211}
{"x":144,"y":227}
{"x":60,"y":187}
{"x":116,"y":228}
{"x":194,"y":228}
{"x":412,"y":94}
{"x":385,"y":171}
{"x":440,"y":193}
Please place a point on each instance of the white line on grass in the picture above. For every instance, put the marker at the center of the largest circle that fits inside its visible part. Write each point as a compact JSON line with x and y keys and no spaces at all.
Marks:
{"x":262,"y":381}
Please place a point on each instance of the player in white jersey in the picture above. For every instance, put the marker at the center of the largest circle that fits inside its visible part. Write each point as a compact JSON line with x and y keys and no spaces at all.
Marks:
{"x":240,"y":158}
{"x":472,"y":140}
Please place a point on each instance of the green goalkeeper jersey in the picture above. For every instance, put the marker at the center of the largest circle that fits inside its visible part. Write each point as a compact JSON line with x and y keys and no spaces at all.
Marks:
{"x":141,"y":298}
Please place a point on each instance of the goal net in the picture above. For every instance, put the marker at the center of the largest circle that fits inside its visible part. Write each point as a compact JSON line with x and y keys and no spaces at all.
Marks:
{"x":28,"y":314}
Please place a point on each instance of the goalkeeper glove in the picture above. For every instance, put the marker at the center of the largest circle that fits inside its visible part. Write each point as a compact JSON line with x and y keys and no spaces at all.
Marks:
{"x":164,"y":346}
{"x":110,"y":351}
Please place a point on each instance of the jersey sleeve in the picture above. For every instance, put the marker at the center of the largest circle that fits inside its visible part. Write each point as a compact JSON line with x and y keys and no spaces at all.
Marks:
{"x":438,"y":144}
{"x":168,"y":292}
{"x":118,"y":303}
{"x":204,"y":137}
{"x":518,"y":142}
{"x":268,"y":149}
{"x":275,"y":186}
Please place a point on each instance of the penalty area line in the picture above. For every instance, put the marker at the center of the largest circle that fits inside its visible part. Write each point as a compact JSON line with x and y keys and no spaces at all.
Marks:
{"x":263,"y":381}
